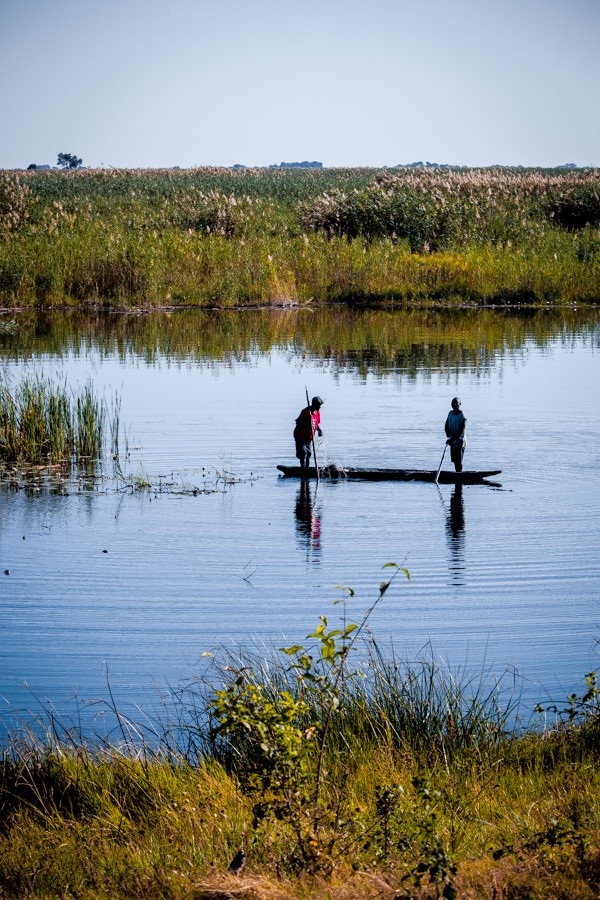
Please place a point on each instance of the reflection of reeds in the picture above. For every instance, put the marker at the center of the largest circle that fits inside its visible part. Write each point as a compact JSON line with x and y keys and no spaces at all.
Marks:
{"x":41,"y":421}
{"x":372,"y":340}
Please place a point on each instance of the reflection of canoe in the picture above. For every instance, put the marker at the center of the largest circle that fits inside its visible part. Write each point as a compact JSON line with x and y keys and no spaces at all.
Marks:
{"x":337,"y":472}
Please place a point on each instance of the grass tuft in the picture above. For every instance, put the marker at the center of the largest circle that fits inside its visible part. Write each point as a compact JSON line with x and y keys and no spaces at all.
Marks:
{"x":426,"y":792}
{"x":44,"y":422}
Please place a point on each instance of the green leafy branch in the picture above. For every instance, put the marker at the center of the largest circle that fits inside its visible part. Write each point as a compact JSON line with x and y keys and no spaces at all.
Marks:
{"x":279,"y":737}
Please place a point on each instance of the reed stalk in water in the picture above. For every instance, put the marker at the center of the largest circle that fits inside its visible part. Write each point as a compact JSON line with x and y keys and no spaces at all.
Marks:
{"x":45,"y":422}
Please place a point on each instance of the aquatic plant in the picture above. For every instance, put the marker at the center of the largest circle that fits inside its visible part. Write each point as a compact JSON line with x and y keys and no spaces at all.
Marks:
{"x":576,"y":204}
{"x":437,"y":209}
{"x":42,"y":421}
{"x":14,"y":201}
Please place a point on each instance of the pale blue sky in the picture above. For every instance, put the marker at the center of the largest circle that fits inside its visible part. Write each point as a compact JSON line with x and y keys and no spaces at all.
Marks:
{"x":138,"y":83}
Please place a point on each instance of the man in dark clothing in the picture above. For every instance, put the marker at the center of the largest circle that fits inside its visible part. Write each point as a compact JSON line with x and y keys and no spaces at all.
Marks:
{"x":455,"y":426}
{"x":307,"y":423}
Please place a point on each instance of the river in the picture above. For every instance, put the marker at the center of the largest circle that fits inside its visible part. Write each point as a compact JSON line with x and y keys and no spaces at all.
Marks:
{"x":130,"y":585}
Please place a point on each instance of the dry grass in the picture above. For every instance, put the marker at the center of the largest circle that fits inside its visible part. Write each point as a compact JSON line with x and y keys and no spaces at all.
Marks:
{"x":217,"y":238}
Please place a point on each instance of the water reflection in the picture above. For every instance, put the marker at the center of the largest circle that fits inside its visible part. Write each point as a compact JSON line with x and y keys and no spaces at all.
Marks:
{"x":455,"y":535}
{"x":308,"y":521}
{"x":148,"y":607}
{"x":359,"y":341}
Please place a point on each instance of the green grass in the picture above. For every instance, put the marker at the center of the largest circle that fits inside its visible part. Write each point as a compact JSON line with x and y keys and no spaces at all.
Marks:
{"x":44,"y":422}
{"x":219,"y":238}
{"x":426,"y":792}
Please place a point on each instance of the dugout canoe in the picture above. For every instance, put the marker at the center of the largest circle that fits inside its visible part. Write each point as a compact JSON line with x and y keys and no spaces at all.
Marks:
{"x":337,"y":473}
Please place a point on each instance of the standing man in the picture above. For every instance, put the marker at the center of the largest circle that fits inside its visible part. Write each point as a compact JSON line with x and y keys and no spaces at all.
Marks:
{"x":307,"y":423}
{"x":455,"y":427}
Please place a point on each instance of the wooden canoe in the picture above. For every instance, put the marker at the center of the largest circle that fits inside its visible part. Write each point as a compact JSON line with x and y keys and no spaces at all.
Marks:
{"x":338,"y":473}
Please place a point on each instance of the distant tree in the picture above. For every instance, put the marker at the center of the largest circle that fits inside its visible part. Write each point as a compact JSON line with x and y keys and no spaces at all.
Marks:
{"x":32,"y":166}
{"x":69,"y":161}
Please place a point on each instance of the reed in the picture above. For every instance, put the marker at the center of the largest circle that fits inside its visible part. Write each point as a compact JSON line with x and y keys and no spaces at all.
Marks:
{"x":42,"y":421}
{"x":217,"y":238}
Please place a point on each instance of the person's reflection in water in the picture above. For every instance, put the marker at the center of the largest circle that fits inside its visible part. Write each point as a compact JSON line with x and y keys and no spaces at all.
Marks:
{"x":455,"y":531}
{"x":308,"y":522}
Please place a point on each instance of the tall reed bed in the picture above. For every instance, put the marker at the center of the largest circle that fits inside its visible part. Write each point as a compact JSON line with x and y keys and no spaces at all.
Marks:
{"x":215,"y":237}
{"x":43,"y":421}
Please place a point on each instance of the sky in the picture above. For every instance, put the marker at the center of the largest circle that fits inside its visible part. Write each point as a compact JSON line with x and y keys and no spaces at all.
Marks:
{"x":161,"y":83}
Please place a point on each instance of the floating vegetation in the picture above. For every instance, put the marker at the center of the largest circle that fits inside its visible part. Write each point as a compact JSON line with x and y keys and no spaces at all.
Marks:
{"x":58,"y":479}
{"x":52,"y":478}
{"x":45,"y":423}
{"x":206,"y":481}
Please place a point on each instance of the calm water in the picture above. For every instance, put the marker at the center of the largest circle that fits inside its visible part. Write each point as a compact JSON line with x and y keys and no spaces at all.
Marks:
{"x":140,"y":584}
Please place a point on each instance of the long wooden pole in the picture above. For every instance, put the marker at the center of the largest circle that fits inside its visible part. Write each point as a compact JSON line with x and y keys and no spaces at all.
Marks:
{"x":312,"y":434}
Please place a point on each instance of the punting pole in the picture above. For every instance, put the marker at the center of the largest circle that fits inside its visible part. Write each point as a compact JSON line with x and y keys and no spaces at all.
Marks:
{"x":437,"y":474}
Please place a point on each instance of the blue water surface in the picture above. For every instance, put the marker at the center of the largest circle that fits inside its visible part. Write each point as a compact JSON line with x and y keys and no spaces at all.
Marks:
{"x":136,"y":585}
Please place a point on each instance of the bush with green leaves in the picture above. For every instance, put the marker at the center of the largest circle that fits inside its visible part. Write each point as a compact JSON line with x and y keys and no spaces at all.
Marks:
{"x":438,"y":209}
{"x":276,"y":741}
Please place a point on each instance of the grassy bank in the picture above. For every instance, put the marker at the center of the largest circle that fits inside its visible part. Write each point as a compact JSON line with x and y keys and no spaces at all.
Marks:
{"x":219,"y":238}
{"x":339,"y":771}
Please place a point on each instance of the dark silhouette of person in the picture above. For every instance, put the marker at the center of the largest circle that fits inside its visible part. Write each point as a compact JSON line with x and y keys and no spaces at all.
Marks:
{"x":307,"y":423}
{"x":455,"y":427}
{"x":456,"y":518}
{"x":455,"y":532}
